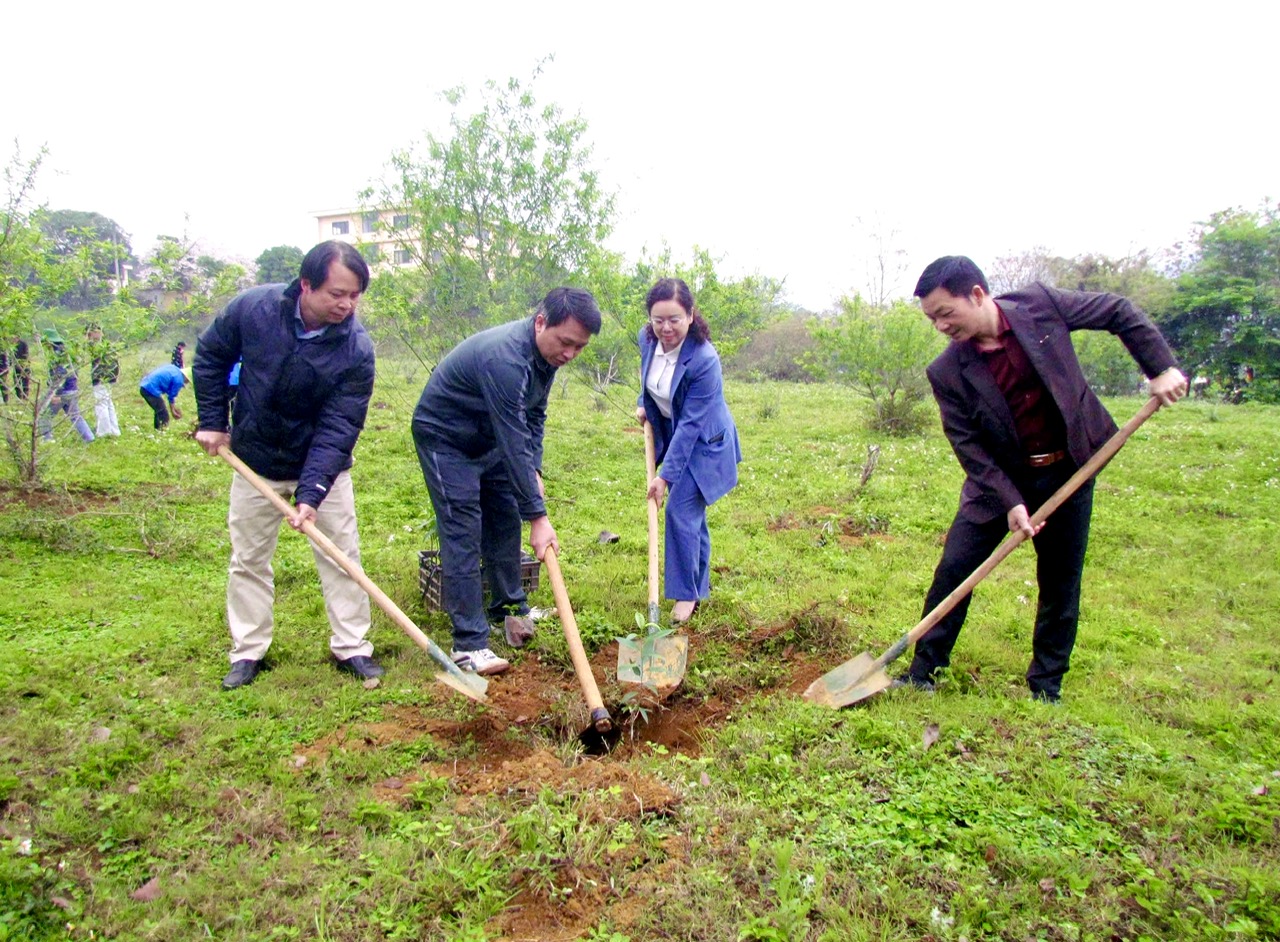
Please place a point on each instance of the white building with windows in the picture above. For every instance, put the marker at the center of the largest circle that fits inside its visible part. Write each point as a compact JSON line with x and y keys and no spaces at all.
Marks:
{"x":381,"y":236}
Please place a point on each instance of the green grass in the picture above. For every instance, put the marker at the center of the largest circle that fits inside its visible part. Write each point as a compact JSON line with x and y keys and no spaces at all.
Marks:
{"x":1144,"y":807}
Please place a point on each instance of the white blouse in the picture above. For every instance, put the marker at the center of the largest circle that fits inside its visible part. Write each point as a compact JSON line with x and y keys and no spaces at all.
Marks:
{"x":662,"y":370}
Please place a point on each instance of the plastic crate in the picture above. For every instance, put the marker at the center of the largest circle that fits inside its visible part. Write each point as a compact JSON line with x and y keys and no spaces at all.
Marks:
{"x":431,"y":577}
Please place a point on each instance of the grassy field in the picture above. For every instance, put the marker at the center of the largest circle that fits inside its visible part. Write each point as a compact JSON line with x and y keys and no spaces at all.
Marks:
{"x":139,"y":801}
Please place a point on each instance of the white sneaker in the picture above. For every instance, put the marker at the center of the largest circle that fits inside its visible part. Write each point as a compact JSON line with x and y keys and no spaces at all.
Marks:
{"x":541,"y":614}
{"x":483,"y":661}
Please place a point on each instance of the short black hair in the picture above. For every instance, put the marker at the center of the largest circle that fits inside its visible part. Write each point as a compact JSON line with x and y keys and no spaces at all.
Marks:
{"x":563,"y":303}
{"x":955,"y":273}
{"x":315,"y":265}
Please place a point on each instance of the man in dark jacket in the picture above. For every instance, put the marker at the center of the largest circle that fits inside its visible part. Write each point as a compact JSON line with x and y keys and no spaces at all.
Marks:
{"x":1021,"y":419}
{"x":305,"y":381}
{"x":478,"y":432}
{"x":15,"y":366}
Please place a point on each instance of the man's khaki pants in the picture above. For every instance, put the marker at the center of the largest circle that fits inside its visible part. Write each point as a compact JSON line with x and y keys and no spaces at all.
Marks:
{"x":255,"y":526}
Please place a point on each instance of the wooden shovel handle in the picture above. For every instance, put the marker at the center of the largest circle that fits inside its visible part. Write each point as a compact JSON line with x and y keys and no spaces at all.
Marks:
{"x":581,"y":666}
{"x":651,"y":466}
{"x":1084,"y":473}
{"x":354,"y":570}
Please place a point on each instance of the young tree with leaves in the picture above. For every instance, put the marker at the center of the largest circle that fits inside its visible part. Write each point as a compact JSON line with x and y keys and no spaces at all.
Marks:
{"x":1224,"y":320}
{"x":882,"y":352}
{"x":506,"y":205}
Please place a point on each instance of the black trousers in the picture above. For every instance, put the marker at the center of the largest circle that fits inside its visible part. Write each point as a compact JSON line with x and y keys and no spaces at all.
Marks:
{"x":477,"y":518}
{"x":1060,"y":550}
{"x":158,"y":407}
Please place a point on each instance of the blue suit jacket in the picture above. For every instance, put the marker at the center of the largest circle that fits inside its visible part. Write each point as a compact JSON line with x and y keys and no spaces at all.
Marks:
{"x":700,"y":437}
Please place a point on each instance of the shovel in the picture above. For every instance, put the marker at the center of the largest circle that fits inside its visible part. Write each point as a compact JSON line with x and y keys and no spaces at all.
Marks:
{"x":862,"y":676}
{"x":658,"y":660}
{"x":597,"y":738}
{"x":469,"y":685}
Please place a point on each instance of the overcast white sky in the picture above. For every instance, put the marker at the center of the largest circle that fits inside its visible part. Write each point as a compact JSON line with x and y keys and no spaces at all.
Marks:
{"x":763,"y":132}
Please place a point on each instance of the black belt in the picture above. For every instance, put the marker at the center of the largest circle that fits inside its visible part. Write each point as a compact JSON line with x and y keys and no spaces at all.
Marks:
{"x":1043,"y":461}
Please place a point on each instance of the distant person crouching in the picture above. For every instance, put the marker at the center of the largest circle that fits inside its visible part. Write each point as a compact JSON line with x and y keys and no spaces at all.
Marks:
{"x":164,"y":382}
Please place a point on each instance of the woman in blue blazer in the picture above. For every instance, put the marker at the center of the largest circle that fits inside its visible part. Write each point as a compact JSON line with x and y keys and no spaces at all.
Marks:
{"x":695,"y":440}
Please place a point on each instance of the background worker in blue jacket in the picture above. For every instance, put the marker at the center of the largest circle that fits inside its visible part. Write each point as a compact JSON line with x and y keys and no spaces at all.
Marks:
{"x":478,"y":432}
{"x":306,"y":376}
{"x":695,"y":440}
{"x":164,"y":382}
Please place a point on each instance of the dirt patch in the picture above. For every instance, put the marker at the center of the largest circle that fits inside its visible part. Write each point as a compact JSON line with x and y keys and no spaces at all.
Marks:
{"x":533,"y":917}
{"x":69,"y":501}
{"x":587,"y":895}
{"x":65,"y":502}
{"x":784,"y":521}
{"x":510,"y":745}
{"x":848,"y":530}
{"x":614,"y":792}
{"x":509,"y":750}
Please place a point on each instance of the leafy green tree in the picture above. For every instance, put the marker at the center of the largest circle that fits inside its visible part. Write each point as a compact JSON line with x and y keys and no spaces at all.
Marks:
{"x":1224,"y":320}
{"x":505,"y":207}
{"x":184,"y":289}
{"x":23,"y":247}
{"x":735,"y":309}
{"x":278,"y":264}
{"x":881,"y":351}
{"x":778,"y":352}
{"x":1106,"y":363}
{"x":35,"y":273}
{"x":102,"y":248}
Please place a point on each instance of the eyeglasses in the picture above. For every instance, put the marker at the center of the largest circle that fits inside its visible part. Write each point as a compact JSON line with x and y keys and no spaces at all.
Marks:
{"x":661,"y":322}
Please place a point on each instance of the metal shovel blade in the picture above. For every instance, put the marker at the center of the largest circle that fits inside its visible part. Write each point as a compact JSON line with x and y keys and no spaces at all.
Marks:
{"x":662,"y":665}
{"x":851,"y":682}
{"x":473,"y":686}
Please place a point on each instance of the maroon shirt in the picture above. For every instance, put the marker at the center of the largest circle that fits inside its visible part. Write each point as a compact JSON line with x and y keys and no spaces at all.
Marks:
{"x":1035,"y":414}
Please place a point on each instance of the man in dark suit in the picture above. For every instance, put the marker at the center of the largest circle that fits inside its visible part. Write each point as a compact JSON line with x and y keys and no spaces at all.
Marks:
{"x":1021,"y":419}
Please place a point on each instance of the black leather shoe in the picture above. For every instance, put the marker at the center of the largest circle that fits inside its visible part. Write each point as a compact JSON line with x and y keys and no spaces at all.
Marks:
{"x":366,"y":668}
{"x":241,"y":673}
{"x":907,"y":680}
{"x":1051,"y":697}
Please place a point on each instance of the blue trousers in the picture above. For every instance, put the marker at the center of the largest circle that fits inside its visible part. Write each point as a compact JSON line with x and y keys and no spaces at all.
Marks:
{"x":687,"y":542}
{"x":1060,"y":550}
{"x":476,"y":518}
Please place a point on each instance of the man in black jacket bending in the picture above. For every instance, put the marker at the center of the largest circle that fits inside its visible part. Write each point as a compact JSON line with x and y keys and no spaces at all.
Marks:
{"x":478,"y":432}
{"x":305,"y":382}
